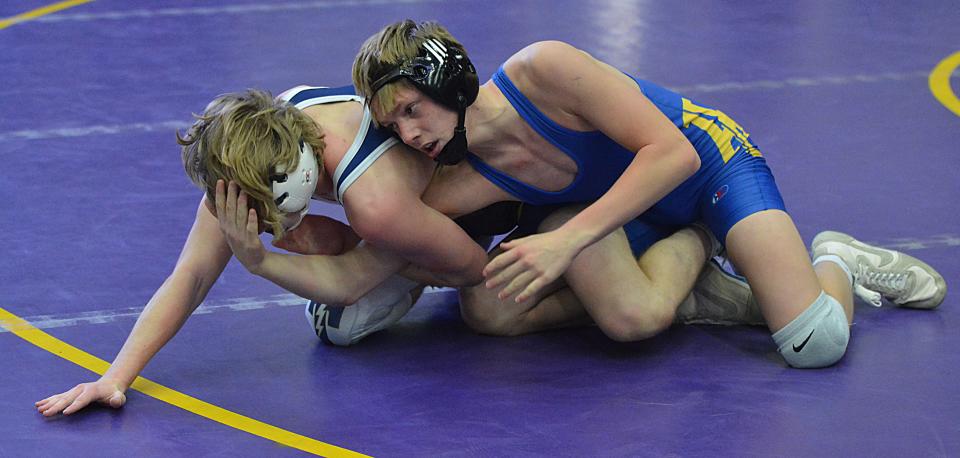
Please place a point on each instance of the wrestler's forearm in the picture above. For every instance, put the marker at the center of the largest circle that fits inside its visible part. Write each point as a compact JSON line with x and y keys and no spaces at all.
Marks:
{"x":160,"y":320}
{"x":203,"y":258}
{"x":341,"y":279}
{"x":427,"y":277}
{"x":651,"y":176}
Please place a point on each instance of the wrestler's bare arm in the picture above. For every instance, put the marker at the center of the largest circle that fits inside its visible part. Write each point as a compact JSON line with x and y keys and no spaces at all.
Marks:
{"x":203,"y":258}
{"x":567,"y":83}
{"x":385,"y":206}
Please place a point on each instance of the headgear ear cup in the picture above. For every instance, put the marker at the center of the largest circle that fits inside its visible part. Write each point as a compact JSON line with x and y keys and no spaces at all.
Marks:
{"x":292,"y":190}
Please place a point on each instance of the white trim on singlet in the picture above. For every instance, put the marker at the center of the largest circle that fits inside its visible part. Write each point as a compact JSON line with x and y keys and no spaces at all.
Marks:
{"x":364,"y":165}
{"x":351,"y":152}
{"x":328,"y":99}
{"x":291,"y":93}
{"x":358,"y":140}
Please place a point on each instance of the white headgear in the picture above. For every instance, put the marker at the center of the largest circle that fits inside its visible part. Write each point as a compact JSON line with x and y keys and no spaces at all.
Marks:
{"x":292,"y":190}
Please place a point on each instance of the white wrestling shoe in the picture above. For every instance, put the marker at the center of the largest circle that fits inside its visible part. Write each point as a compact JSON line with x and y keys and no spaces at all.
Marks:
{"x":878,"y":272}
{"x":719,"y":298}
{"x":377,"y":310}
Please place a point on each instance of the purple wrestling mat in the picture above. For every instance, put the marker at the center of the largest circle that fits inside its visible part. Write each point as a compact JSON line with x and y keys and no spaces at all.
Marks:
{"x":836,"y":94}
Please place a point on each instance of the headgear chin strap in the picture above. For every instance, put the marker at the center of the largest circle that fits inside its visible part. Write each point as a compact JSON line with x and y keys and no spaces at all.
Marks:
{"x":455,"y":149}
{"x":444,"y":73}
{"x":292,"y":190}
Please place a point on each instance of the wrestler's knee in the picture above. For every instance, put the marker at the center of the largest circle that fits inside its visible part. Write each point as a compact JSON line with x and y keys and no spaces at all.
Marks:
{"x":817,"y":338}
{"x":482,"y":313}
{"x":633,"y":321}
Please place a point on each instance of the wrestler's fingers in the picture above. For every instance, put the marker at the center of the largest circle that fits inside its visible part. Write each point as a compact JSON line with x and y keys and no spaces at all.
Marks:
{"x":231,"y":203}
{"x":533,"y":288}
{"x":43,"y":404}
{"x":80,"y":401}
{"x":220,"y":199}
{"x":511,"y":243}
{"x":240,"y":218}
{"x":45,"y":401}
{"x":57,"y":406}
{"x":504,"y":275}
{"x":518,"y":284}
{"x":499,"y":262}
{"x":253,"y":226}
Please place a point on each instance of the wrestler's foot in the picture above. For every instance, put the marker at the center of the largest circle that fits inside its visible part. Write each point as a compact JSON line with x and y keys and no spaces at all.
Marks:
{"x":377,"y":310}
{"x":719,"y":298}
{"x":899,"y":277}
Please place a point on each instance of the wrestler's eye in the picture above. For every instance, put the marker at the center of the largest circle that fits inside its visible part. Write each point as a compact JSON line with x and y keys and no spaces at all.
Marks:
{"x":410,"y":109}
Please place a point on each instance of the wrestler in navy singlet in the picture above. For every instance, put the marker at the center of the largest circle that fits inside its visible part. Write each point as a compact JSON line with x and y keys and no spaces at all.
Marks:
{"x":732,"y":183}
{"x":369,"y":144}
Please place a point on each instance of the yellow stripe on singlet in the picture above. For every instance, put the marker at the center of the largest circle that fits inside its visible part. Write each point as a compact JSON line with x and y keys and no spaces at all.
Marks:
{"x":31,"y":334}
{"x":725,"y":132}
{"x":33,"y":14}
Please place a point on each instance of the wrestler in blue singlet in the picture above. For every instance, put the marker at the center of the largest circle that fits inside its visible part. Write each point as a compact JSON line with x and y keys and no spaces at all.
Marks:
{"x":732,"y":183}
{"x":369,"y":144}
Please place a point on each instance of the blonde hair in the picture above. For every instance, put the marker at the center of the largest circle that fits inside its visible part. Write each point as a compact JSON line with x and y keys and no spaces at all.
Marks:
{"x":244,"y":137}
{"x":384,"y":51}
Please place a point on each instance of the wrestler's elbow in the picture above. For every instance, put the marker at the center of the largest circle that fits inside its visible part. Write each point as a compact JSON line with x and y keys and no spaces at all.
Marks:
{"x":688,"y":157}
{"x":322,"y":284}
{"x":465,"y":269}
{"x":346,"y":298}
{"x":466,"y":274}
{"x":342,"y":293}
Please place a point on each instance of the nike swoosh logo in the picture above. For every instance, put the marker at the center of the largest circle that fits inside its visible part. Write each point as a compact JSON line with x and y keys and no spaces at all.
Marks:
{"x":880,"y":259}
{"x":804,"y":343}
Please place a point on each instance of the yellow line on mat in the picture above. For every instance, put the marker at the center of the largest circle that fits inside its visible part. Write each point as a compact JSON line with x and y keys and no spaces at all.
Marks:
{"x":940,"y":82}
{"x":4,"y":23}
{"x":31,"y":334}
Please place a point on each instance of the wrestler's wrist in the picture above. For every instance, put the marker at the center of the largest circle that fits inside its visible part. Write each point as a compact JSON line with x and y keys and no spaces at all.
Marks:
{"x":578,"y":238}
{"x":120,"y":383}
{"x":259,"y":265}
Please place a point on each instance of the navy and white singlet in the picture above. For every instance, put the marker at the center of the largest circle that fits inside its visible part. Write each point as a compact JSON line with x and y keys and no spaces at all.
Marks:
{"x":369,"y":144}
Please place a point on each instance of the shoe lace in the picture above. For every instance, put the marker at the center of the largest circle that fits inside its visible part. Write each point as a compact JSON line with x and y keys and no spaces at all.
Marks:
{"x":871,"y":283}
{"x":871,"y":297}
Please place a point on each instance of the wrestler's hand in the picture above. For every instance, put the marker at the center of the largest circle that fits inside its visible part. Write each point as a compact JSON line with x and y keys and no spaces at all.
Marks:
{"x":105,"y":392}
{"x":239,"y":225}
{"x":529,"y":264}
{"x":318,"y":234}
